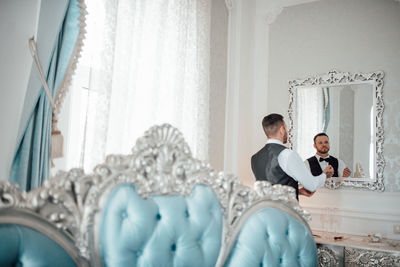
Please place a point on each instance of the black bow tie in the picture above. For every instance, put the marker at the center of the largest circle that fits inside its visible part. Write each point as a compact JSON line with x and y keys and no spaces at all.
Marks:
{"x":324,"y":159}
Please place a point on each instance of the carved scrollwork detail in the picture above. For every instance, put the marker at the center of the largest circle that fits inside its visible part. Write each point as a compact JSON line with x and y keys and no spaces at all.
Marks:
{"x":333,"y":183}
{"x":272,"y":14}
{"x":370,"y":258}
{"x":9,"y":195}
{"x":335,"y":77}
{"x":229,"y":4}
{"x":243,"y":197}
{"x":327,"y":257}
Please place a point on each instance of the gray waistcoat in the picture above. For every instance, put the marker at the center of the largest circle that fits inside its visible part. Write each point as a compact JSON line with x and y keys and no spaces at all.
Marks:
{"x":265,"y":166}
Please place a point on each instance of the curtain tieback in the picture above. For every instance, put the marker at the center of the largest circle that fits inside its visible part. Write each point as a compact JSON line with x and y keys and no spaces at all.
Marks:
{"x":57,"y":139}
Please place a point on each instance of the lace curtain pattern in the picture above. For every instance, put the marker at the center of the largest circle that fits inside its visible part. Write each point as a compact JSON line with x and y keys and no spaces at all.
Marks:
{"x":144,"y":63}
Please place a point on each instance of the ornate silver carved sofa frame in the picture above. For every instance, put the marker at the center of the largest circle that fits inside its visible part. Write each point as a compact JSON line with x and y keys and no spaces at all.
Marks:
{"x":68,"y":207}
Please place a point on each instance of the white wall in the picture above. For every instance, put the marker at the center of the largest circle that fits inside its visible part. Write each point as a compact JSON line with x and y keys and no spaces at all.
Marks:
{"x":18,"y":22}
{"x":218,"y":63}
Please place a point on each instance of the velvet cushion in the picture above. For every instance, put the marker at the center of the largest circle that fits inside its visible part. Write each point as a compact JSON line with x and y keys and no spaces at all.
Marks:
{"x":161,"y":230}
{"x":271,"y":237}
{"x":23,"y":246}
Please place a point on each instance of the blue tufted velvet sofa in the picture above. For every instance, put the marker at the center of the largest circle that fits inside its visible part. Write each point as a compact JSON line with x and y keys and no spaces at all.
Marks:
{"x":155,"y":207}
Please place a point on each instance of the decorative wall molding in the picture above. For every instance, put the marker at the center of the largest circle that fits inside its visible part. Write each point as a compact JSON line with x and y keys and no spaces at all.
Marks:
{"x":229,"y":4}
{"x":353,"y":213}
{"x":272,"y":14}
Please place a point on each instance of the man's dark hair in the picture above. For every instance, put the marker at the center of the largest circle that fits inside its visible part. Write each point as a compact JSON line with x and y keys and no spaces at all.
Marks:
{"x":272,"y":123}
{"x":320,"y":134}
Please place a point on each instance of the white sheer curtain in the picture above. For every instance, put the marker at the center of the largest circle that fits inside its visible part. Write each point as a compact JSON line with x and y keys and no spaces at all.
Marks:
{"x":144,"y":63}
{"x":310,"y":118}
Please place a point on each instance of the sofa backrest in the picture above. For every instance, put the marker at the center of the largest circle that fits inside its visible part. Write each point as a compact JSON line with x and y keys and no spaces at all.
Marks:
{"x":162,"y":230}
{"x":159,"y":206}
{"x":172,"y":206}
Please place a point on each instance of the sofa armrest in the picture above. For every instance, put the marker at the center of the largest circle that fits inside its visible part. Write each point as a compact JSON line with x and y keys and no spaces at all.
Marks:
{"x":31,"y":229}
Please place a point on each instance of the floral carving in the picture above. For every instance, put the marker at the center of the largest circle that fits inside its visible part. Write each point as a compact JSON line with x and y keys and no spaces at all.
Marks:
{"x":327,"y":257}
{"x":370,"y":258}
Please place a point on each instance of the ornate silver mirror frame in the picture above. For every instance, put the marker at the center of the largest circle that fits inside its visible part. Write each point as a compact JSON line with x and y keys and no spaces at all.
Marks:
{"x":335,"y":78}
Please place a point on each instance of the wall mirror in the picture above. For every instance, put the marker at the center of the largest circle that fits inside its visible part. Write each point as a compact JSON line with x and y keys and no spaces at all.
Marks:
{"x":349,"y":109}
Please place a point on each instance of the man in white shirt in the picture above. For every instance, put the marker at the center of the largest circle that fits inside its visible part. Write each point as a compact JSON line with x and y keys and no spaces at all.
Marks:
{"x":322,"y":158}
{"x":279,"y":165}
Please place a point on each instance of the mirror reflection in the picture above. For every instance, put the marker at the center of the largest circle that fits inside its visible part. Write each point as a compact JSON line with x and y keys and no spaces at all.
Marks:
{"x":343,"y":115}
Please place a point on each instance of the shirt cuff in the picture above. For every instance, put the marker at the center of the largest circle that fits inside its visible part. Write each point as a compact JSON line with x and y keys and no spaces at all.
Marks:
{"x":322,"y":179}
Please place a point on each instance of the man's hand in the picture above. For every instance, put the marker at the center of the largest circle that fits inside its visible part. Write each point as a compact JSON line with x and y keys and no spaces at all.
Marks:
{"x":305,"y":192}
{"x":346,"y":172}
{"x":328,"y":171}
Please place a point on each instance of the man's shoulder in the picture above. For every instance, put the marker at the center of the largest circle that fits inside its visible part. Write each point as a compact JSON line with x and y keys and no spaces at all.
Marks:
{"x":259,"y":152}
{"x":311,"y":158}
{"x":334,"y":158}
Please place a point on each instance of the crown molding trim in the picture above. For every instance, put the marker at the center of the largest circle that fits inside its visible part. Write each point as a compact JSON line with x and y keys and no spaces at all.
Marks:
{"x":272,"y":14}
{"x":229,"y":4}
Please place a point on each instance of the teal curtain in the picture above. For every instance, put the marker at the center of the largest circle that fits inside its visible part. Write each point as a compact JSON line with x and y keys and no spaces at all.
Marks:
{"x":31,"y":164}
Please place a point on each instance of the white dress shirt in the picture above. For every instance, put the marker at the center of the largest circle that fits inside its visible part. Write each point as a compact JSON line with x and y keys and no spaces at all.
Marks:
{"x":324,"y":164}
{"x":291,"y":163}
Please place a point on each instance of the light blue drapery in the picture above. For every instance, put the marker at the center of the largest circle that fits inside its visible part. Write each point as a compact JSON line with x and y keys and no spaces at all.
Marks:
{"x":31,"y":164}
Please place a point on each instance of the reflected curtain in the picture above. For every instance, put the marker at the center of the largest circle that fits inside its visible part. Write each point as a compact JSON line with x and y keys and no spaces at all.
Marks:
{"x":327,"y":108}
{"x":31,"y":164}
{"x":310,"y":119}
{"x":143,"y":63}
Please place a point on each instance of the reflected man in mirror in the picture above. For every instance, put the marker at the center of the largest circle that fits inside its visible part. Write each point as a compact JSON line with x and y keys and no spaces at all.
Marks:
{"x":322,"y":159}
{"x":279,"y":165}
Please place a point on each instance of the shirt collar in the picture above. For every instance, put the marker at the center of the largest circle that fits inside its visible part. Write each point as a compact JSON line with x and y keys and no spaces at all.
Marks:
{"x":274,"y":141}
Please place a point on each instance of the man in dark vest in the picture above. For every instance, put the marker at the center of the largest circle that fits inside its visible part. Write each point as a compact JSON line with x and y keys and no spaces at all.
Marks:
{"x":279,"y":165}
{"x":323,"y":159}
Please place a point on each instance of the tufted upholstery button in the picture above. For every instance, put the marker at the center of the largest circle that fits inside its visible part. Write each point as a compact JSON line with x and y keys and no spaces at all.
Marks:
{"x":138,"y":253}
{"x":187,"y":214}
{"x":267,"y":235}
{"x":124,"y":214}
{"x":173,"y":247}
{"x":280,"y":260}
{"x":158,"y":216}
{"x":287,"y":232}
{"x":261,"y":264}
